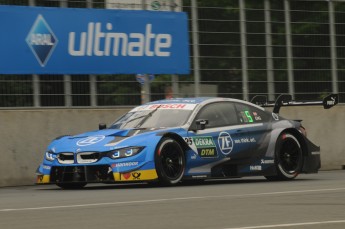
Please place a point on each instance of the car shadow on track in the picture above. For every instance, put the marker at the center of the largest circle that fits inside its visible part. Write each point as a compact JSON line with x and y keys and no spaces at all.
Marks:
{"x":192,"y":183}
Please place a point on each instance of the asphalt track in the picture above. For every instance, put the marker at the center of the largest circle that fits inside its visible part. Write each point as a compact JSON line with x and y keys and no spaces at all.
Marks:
{"x":311,"y":201}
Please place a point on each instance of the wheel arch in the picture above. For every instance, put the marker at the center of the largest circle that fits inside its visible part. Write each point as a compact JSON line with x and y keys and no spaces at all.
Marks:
{"x":178,"y":139}
{"x":163,"y":179}
{"x":300,"y":138}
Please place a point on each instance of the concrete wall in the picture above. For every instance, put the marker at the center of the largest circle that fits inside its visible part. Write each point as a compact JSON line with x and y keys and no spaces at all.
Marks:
{"x":325,"y":128}
{"x":25,"y":134}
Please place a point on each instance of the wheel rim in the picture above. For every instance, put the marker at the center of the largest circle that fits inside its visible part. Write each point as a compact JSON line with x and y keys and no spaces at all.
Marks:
{"x":290,"y":156}
{"x":172,"y":161}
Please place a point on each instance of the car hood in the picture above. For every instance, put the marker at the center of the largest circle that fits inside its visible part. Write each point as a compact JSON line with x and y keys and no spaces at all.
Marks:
{"x":108,"y":139}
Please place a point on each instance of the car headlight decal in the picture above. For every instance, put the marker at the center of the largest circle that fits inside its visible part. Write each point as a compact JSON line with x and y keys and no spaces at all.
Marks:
{"x":124,"y":152}
{"x":50,"y":156}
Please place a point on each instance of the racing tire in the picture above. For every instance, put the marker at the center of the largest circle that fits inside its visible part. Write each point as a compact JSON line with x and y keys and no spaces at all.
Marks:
{"x":288,"y":158}
{"x":170,"y":162}
{"x":79,"y":185}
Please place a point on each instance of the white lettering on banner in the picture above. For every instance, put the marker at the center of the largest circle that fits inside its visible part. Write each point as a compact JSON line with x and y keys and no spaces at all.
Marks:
{"x":41,"y":39}
{"x":119,"y":44}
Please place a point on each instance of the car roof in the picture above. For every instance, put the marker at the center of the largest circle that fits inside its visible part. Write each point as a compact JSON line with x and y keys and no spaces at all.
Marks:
{"x":196,"y":100}
{"x":200,"y":100}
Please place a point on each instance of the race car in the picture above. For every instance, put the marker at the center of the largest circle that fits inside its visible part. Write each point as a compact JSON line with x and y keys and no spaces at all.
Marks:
{"x":186,"y":139}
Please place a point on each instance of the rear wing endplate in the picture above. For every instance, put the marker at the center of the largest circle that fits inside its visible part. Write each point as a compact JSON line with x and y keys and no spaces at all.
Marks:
{"x":286,"y":100}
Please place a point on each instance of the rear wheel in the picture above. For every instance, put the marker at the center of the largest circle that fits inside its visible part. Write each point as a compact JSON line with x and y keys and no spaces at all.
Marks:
{"x":170,"y":162}
{"x":71,"y":185}
{"x":288,"y":158}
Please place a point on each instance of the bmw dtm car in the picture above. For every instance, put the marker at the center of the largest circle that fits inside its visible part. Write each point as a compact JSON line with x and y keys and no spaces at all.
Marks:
{"x":170,"y":141}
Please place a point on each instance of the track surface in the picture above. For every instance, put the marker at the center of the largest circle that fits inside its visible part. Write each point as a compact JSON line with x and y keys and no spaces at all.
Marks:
{"x":311,"y":201}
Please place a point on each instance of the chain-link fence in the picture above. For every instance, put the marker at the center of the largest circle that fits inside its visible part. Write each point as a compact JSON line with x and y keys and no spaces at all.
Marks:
{"x":239,"y":48}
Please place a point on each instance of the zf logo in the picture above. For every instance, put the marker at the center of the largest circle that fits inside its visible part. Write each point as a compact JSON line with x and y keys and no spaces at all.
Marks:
{"x":225,"y":143}
{"x":90,"y":140}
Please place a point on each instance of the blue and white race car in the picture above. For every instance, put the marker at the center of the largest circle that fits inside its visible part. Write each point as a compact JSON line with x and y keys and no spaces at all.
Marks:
{"x":170,"y":141}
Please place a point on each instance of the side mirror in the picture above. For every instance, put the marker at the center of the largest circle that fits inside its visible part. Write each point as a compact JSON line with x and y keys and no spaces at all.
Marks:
{"x":201,"y":124}
{"x":102,"y":126}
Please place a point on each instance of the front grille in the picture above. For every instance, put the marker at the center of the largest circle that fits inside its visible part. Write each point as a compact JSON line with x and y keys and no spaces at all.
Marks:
{"x":87,"y":157}
{"x":66,"y":158}
{"x":90,"y":173}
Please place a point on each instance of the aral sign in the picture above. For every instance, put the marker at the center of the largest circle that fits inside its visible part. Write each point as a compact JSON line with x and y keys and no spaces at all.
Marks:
{"x":89,"y":41}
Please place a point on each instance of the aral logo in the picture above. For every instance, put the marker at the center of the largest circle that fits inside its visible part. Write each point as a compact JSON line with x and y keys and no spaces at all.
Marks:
{"x":41,"y":40}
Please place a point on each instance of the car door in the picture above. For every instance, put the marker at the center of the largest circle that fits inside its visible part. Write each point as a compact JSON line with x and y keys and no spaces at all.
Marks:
{"x":258,"y":128}
{"x":221,"y":137}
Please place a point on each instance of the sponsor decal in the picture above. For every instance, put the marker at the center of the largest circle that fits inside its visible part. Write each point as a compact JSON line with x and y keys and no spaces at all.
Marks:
{"x":331,"y":102}
{"x":199,"y":176}
{"x":119,"y":43}
{"x":204,"y":145}
{"x":256,"y":116}
{"x":225,"y":143}
{"x":275,"y":116}
{"x":245,"y":140}
{"x":41,"y":40}
{"x":90,"y":140}
{"x":201,"y":142}
{"x":131,"y":176}
{"x":207,"y":152}
{"x":136,"y":175}
{"x":126,"y":175}
{"x":41,"y":179}
{"x":47,"y":167}
{"x":267,"y":161}
{"x":124,"y":164}
{"x":255,"y":168}
{"x":168,"y":106}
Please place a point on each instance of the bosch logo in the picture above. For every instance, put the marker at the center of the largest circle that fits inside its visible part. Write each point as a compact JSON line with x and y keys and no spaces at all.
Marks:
{"x":41,"y":40}
{"x":90,"y":140}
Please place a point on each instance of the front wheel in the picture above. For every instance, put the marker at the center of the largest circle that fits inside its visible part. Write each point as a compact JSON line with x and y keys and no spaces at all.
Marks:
{"x":288,"y":158}
{"x":170,"y":162}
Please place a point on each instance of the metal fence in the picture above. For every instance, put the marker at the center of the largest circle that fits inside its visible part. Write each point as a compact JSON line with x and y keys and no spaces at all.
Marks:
{"x":239,"y":48}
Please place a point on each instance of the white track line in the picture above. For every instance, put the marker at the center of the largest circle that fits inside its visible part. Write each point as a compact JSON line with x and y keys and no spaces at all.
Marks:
{"x":289,"y":225}
{"x":170,"y":199}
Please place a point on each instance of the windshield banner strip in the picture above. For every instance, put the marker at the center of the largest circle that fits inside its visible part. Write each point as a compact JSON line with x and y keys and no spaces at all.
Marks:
{"x":170,"y":106}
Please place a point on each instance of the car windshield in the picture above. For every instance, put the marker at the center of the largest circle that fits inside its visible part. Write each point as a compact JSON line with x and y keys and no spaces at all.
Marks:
{"x":157,"y":116}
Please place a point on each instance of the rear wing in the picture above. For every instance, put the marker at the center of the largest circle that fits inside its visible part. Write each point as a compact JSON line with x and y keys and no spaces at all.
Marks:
{"x":285,"y":100}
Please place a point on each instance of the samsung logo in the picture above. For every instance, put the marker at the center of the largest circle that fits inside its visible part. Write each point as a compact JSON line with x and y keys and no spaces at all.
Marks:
{"x":100,"y":40}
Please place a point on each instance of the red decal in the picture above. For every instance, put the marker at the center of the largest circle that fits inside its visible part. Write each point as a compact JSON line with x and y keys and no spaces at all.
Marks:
{"x":154,"y":106}
{"x":126,"y":175}
{"x":180,"y":106}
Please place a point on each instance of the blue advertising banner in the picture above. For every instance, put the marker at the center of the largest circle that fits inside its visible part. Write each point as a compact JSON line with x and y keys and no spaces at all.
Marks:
{"x":37,"y":40}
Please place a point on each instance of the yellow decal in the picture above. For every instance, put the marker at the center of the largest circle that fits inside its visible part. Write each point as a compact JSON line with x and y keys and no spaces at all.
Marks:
{"x":43,"y":179}
{"x":139,"y":175}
